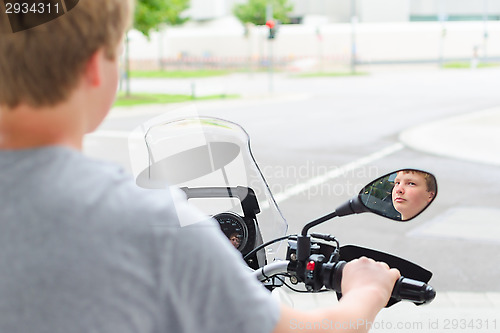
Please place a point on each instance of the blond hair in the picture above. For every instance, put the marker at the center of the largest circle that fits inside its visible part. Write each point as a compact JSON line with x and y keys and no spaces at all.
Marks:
{"x":42,"y":66}
{"x":430,"y":180}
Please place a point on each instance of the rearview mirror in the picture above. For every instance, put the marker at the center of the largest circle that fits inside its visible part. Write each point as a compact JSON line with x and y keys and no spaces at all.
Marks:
{"x":400,"y":195}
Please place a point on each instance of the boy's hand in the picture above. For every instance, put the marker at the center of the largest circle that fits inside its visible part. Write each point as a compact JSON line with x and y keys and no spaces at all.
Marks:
{"x":375,"y":279}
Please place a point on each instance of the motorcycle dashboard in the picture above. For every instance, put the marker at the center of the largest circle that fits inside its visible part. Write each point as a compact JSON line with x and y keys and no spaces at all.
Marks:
{"x":241,"y":231}
{"x":234,"y":227}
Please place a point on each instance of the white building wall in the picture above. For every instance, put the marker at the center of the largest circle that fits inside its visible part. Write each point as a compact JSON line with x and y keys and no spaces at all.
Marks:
{"x":205,"y":10}
{"x":368,"y":10}
{"x":323,"y":37}
{"x":454,"y":7}
{"x":375,"y":42}
{"x":384,"y":10}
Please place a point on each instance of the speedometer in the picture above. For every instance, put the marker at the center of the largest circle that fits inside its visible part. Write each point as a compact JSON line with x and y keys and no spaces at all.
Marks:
{"x":234,"y":227}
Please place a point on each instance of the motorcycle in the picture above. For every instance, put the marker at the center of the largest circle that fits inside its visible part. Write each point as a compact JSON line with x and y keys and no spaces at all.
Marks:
{"x":211,"y":160}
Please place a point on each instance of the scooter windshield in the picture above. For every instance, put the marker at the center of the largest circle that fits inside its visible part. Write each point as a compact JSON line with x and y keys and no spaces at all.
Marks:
{"x":211,"y":161}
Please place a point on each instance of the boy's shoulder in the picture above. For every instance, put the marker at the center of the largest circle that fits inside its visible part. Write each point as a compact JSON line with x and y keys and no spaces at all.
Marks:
{"x":58,"y":176}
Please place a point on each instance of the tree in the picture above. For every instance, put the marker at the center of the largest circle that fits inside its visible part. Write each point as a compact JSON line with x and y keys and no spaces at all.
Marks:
{"x":151,"y":15}
{"x":255,"y":11}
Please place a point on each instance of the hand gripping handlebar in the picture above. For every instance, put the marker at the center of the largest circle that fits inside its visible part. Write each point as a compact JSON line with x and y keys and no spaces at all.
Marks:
{"x":415,"y":291}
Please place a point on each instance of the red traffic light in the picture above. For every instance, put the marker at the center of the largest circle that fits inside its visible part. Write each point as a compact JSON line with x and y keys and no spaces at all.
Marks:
{"x":270,"y":24}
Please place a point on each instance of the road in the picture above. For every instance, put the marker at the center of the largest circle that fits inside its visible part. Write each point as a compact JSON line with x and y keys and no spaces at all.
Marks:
{"x":308,"y":126}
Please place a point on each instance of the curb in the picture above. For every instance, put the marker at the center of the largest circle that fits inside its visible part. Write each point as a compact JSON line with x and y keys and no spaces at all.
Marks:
{"x":473,"y":137}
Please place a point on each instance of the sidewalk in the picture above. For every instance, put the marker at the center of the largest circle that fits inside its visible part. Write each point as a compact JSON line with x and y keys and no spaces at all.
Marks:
{"x":473,"y":137}
{"x":449,"y":312}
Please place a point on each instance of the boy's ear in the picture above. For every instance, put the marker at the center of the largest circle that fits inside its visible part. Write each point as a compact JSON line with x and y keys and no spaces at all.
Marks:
{"x":92,"y":73}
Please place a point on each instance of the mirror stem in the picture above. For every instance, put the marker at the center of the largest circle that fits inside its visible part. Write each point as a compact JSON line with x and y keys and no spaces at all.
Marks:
{"x":318,"y":221}
{"x":353,"y":206}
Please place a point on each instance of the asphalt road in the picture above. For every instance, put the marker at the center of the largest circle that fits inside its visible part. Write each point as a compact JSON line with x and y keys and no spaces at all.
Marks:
{"x":308,"y":126}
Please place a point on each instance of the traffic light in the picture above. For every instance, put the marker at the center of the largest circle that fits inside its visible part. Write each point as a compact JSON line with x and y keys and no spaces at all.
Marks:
{"x":273,"y":27}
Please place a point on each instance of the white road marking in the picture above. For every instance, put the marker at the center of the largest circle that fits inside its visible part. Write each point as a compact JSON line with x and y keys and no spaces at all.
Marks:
{"x":299,"y":188}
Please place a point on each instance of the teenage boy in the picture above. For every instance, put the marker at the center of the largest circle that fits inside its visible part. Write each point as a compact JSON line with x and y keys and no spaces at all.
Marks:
{"x":82,"y":249}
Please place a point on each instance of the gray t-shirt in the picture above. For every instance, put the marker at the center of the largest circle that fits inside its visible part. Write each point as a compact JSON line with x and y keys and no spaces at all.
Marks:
{"x":83,"y":249}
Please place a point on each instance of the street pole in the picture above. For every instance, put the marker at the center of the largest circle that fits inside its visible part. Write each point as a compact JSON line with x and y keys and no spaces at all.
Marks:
{"x":248,"y":36}
{"x":354,"y":20}
{"x":161,"y":36}
{"x":485,"y":35}
{"x":127,"y":65}
{"x":271,"y":64}
{"x":269,"y":16}
{"x":442,"y":19}
{"x":319,"y":38}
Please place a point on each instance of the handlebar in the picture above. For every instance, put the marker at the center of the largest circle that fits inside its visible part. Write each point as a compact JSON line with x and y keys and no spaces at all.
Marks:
{"x":415,"y":291}
{"x":330,"y":275}
{"x":267,"y":271}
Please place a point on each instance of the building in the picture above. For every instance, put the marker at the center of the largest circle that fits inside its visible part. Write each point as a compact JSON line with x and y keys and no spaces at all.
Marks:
{"x":341,"y":11}
{"x":382,"y":31}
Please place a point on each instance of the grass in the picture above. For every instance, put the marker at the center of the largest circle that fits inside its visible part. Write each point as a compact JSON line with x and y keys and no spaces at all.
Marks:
{"x":460,"y":65}
{"x":141,"y":99}
{"x":331,"y":74}
{"x":173,"y":74}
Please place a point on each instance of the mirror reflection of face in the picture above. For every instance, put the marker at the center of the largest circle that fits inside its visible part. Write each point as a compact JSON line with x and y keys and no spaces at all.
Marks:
{"x":235,"y":240}
{"x":412,"y":192}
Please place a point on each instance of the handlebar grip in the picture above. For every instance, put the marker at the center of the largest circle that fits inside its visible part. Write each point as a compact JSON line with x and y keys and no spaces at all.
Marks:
{"x":412,"y":290}
{"x":415,"y":291}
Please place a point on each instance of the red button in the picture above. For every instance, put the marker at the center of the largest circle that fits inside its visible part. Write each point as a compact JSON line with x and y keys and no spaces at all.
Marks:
{"x":310,"y":265}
